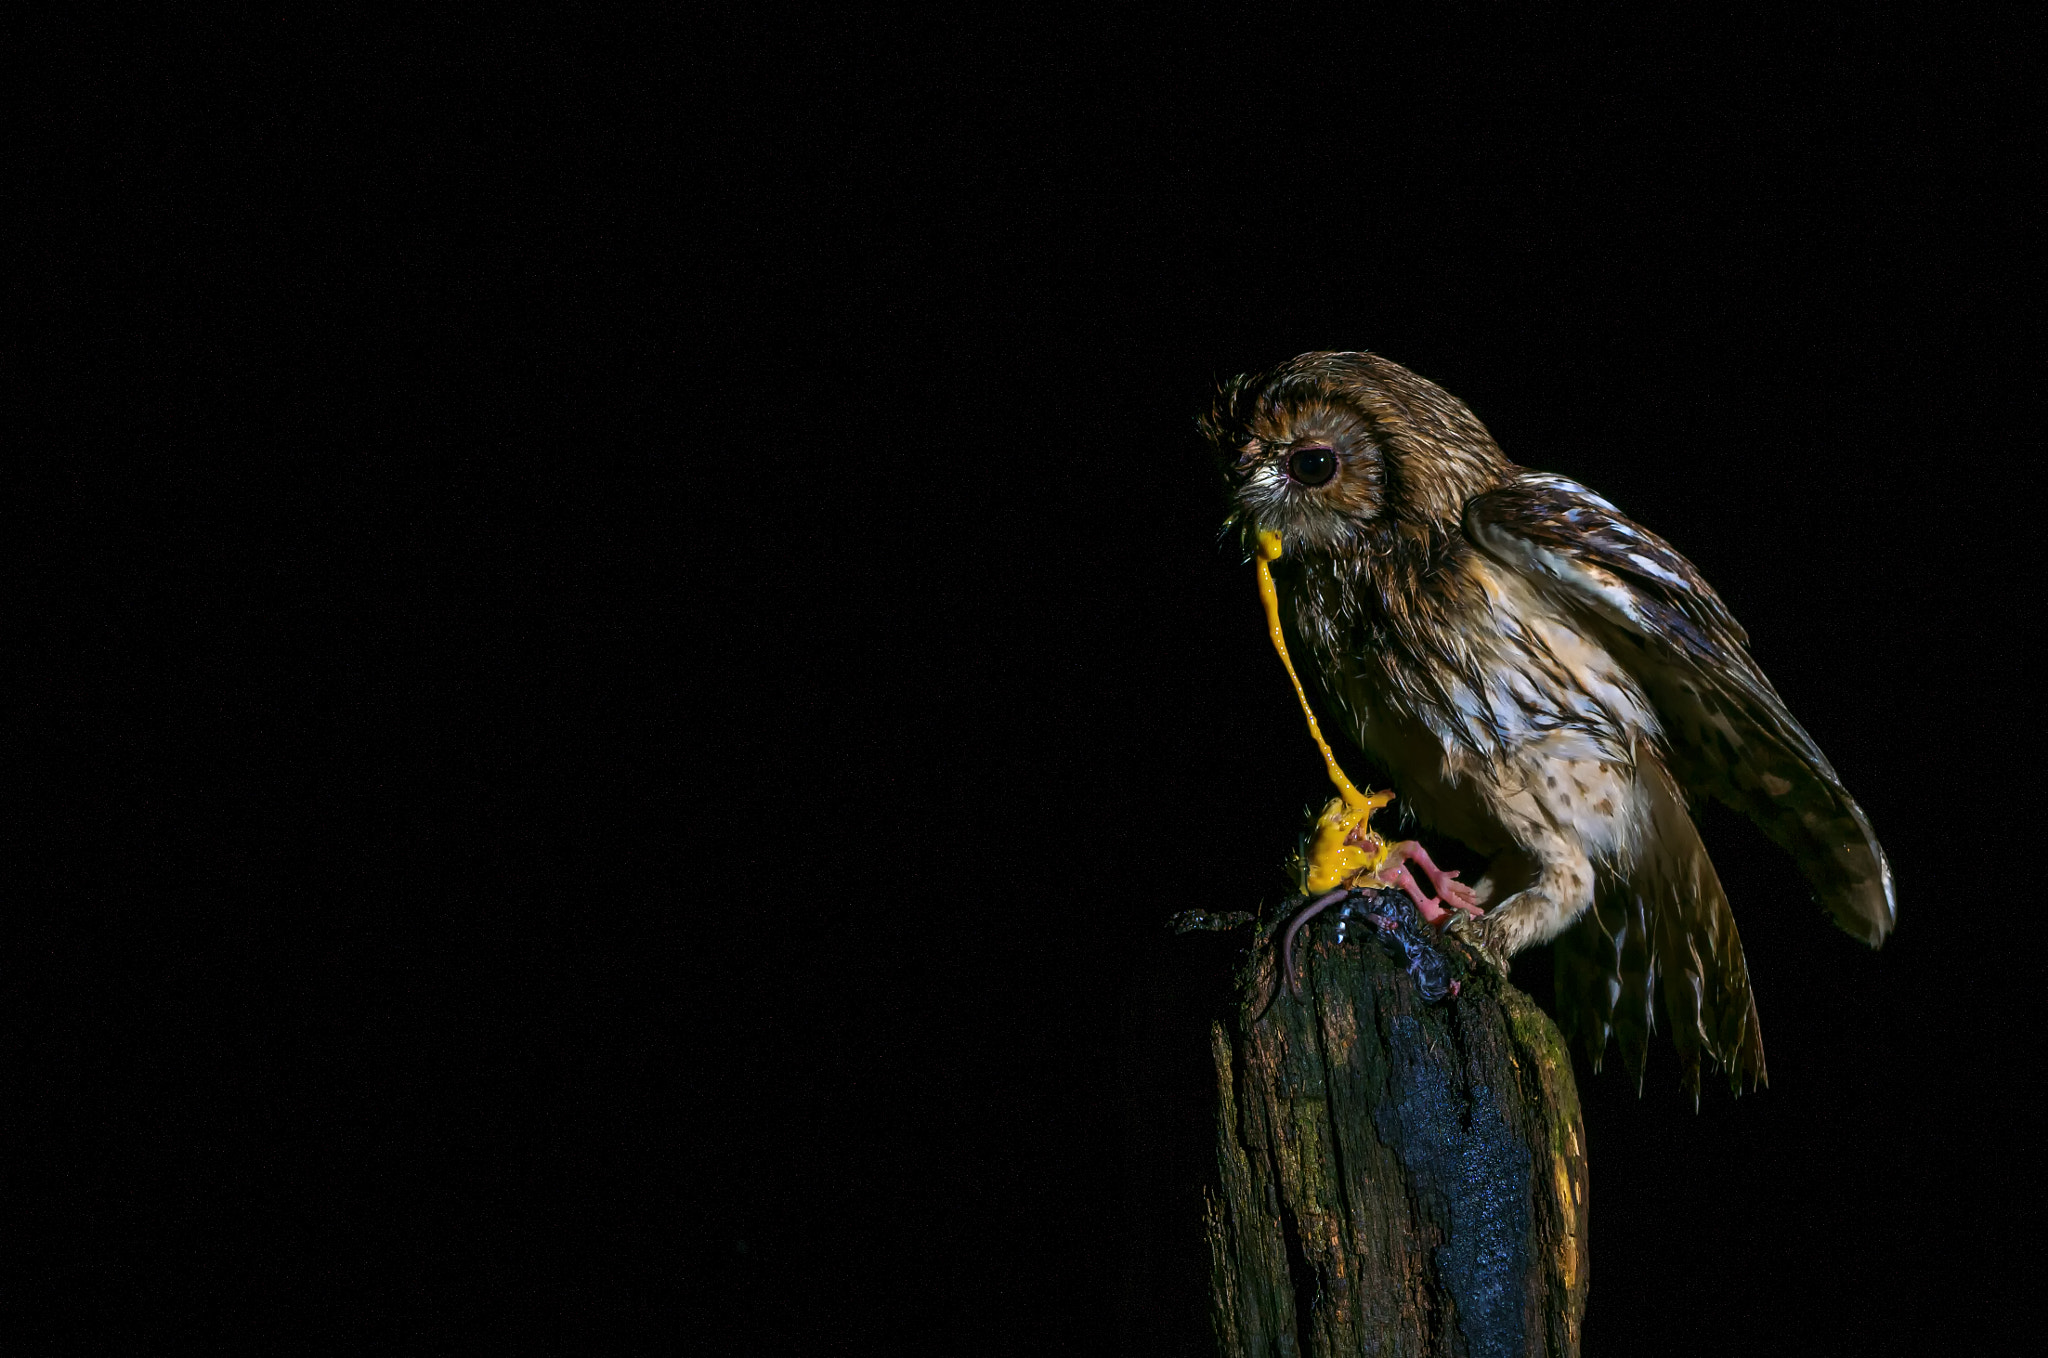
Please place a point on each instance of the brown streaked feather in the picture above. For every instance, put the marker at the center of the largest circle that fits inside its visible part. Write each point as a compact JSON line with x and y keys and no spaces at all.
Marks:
{"x":1700,"y":965}
{"x":1668,"y":929}
{"x":1725,"y":729}
{"x":1606,"y":978}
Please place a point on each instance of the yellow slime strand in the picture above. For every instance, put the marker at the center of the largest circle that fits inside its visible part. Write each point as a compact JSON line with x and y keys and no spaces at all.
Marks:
{"x":1345,"y":846}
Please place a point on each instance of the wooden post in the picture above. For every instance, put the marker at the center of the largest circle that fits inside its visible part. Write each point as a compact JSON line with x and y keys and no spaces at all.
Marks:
{"x":1397,"y":1176}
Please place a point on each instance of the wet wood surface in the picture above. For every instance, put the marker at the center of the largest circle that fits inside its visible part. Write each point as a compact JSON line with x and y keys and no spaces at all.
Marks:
{"x":1396,"y":1176}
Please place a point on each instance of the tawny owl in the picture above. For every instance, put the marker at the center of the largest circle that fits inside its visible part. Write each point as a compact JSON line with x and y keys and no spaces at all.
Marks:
{"x":1545,"y":681}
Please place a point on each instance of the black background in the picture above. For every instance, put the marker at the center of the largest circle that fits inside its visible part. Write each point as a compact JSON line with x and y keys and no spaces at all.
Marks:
{"x":625,"y":651}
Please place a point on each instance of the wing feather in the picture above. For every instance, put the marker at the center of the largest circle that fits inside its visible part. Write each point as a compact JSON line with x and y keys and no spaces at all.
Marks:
{"x":1726,"y":732}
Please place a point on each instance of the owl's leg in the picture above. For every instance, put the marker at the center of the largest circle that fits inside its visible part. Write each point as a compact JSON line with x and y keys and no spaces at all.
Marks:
{"x":1560,"y":893}
{"x":1508,"y":872}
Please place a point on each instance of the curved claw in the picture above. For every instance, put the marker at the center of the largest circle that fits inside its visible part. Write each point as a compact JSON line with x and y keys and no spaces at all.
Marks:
{"x":1475,"y":936}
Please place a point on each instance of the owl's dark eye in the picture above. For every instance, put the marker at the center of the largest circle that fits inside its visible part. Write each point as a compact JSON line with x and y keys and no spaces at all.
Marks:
{"x":1312,"y":466}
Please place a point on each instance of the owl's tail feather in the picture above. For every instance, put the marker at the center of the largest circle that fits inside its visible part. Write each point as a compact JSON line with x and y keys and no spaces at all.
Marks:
{"x":1666,"y":927}
{"x":1606,"y":980}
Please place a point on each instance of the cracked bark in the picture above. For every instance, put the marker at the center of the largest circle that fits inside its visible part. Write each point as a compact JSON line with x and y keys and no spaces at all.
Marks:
{"x":1396,"y":1177}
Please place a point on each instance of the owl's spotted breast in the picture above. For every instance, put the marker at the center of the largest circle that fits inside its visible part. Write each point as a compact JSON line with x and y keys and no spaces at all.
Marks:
{"x":1526,"y":735}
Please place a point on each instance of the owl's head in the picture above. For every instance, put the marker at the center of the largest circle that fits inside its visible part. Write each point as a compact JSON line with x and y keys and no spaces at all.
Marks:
{"x":1343,"y":451}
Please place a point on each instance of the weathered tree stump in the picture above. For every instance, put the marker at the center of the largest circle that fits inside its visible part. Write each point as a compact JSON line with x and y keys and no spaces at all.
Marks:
{"x":1397,"y":1176}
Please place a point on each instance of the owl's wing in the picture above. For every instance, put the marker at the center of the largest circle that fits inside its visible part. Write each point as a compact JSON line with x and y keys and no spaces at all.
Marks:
{"x":1726,"y":731}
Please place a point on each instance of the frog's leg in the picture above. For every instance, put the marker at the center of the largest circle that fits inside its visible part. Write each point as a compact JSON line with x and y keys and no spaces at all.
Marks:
{"x":1395,"y":872}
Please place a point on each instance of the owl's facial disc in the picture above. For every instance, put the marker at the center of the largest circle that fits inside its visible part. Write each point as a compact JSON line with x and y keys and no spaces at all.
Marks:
{"x":1315,"y":478}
